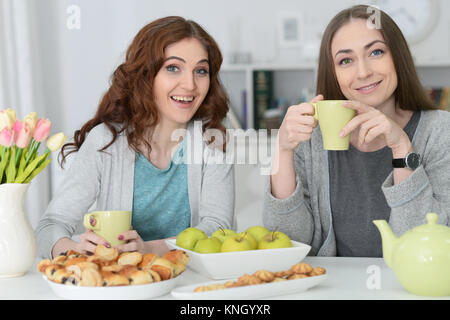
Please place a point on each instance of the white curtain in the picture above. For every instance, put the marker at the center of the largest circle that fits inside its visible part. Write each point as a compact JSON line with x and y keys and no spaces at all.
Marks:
{"x":20,"y":83}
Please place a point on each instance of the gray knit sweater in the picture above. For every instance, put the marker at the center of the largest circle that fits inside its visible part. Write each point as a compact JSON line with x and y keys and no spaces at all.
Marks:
{"x":306,"y":215}
{"x":104,"y":181}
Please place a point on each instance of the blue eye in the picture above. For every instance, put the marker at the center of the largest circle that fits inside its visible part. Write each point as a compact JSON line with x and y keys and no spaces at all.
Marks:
{"x":377,"y":52}
{"x":172,"y":68}
{"x":202,"y":71}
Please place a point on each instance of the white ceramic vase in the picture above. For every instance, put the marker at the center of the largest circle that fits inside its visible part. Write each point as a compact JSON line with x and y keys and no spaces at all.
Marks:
{"x":18,"y":245}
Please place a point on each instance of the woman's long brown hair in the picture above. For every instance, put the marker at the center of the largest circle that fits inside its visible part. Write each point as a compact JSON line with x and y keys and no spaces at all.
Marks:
{"x":128,"y":105}
{"x":409,"y":95}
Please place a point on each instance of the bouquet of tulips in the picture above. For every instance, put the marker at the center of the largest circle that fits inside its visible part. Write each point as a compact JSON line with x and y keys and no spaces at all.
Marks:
{"x":19,"y":144}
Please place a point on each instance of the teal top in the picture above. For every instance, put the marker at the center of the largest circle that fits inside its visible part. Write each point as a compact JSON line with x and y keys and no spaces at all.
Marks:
{"x":160,"y":197}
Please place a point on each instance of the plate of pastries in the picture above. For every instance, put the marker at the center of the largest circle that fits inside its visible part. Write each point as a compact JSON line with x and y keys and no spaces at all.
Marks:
{"x":108,"y":274}
{"x":260,"y":284}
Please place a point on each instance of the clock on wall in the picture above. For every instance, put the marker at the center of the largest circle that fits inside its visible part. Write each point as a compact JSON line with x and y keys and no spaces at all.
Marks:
{"x":416,"y":18}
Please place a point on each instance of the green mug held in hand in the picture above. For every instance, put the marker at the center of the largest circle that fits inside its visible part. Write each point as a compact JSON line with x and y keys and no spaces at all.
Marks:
{"x":333,"y":117}
{"x":108,"y":224}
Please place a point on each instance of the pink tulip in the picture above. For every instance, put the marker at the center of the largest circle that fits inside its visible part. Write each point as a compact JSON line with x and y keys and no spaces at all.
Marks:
{"x":22,"y":134}
{"x":42,"y":129}
{"x":6,"y":137}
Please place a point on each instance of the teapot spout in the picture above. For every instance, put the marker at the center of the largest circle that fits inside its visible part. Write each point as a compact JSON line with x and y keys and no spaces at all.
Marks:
{"x":388,"y":240}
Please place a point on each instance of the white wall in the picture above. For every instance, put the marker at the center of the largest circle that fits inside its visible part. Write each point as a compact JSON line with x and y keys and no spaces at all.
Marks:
{"x":78,"y":63}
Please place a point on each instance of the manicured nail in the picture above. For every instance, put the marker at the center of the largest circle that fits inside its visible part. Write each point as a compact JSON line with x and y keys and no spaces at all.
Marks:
{"x":107,"y":245}
{"x":120,"y":237}
{"x":92,"y":221}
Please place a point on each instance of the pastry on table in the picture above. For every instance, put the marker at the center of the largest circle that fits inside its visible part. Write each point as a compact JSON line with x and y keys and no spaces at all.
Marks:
{"x":179,"y":259}
{"x":106,"y":267}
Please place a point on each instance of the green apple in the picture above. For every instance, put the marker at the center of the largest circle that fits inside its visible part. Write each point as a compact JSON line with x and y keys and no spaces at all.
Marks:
{"x":208,"y":245}
{"x":189,"y":237}
{"x":250,"y":238}
{"x":275,"y":240}
{"x":258,"y":232}
{"x":222,"y":234}
{"x":236,"y":243}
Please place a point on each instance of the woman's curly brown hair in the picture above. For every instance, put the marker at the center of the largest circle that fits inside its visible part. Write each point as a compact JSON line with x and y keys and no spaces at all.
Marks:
{"x":128,"y":105}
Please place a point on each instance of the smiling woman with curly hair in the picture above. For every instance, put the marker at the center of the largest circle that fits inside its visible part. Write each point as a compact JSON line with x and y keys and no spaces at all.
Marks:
{"x":126,"y":155}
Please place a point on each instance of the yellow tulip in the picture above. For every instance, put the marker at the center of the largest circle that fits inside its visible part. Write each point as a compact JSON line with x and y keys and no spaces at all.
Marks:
{"x":7,"y":118}
{"x":55,"y":142}
{"x":31,"y":119}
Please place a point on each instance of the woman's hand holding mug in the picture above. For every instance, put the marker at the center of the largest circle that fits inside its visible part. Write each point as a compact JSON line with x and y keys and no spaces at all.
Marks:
{"x":297,"y":126}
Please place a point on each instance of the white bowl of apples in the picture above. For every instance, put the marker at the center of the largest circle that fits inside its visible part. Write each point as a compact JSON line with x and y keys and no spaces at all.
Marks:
{"x":227,"y":254}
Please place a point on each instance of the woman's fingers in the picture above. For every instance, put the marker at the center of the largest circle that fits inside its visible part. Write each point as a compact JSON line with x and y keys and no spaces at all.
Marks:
{"x":129,"y":246}
{"x":95,"y":238}
{"x":372,"y":134}
{"x":88,"y":247}
{"x":133,"y":240}
{"x":128,"y":235}
{"x":357,"y":106}
{"x":363,"y":115}
{"x":317,"y":98}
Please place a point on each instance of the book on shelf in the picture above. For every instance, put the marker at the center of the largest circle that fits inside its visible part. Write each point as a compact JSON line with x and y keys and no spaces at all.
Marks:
{"x":262,"y":96}
{"x":440,"y":97}
{"x":244,"y":109}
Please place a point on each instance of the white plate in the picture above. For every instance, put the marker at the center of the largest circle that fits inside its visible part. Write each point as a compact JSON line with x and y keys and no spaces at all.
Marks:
{"x":226,"y":265}
{"x":137,"y":292}
{"x":257,"y":291}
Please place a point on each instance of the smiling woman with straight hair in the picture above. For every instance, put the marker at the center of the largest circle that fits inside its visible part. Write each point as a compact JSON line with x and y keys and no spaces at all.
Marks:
{"x":409,"y":94}
{"x":126,"y":156}
{"x":397,"y":167}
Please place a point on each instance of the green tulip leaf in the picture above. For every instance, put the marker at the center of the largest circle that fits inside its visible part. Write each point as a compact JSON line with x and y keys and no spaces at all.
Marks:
{"x":11,"y":169}
{"x":23,"y":161}
{"x":37,"y":171}
{"x":29,"y":169}
{"x":3,"y":163}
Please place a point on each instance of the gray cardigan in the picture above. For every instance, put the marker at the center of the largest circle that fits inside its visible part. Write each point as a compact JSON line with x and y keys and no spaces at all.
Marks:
{"x":104,"y":181}
{"x":306,"y":215}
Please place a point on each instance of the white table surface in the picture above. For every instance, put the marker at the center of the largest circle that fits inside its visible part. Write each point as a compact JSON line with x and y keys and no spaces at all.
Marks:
{"x":348,"y":278}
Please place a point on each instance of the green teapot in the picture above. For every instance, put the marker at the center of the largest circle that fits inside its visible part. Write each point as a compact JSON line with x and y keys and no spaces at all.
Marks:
{"x":420,"y":258}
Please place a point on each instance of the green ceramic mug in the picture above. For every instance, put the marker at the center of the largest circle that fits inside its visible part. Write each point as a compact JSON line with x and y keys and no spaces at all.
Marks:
{"x":109,"y":224}
{"x":333,"y":117}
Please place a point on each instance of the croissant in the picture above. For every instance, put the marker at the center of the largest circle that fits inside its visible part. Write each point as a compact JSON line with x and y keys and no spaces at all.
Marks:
{"x":108,"y":254}
{"x":79,"y":267}
{"x":147,"y":260}
{"x":179,"y":260}
{"x":43,"y":264}
{"x":90,"y":277}
{"x":113,"y":279}
{"x":164,"y":268}
{"x":131,"y":258}
{"x":74,"y":261}
{"x":59,"y":260}
{"x":64,"y":276}
{"x":51,"y":269}
{"x":155,"y":275}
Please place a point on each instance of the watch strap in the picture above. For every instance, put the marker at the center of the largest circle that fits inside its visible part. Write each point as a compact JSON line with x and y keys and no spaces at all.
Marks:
{"x":399,"y":163}
{"x":411,"y":161}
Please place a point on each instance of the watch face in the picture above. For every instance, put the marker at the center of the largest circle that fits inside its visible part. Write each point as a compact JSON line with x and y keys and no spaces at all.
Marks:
{"x":413,"y":161}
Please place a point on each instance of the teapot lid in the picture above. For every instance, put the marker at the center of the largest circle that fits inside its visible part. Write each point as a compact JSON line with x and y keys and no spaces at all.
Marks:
{"x":432,"y":225}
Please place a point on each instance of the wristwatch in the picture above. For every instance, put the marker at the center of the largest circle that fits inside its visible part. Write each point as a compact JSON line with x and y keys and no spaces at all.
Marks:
{"x":412,"y":161}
